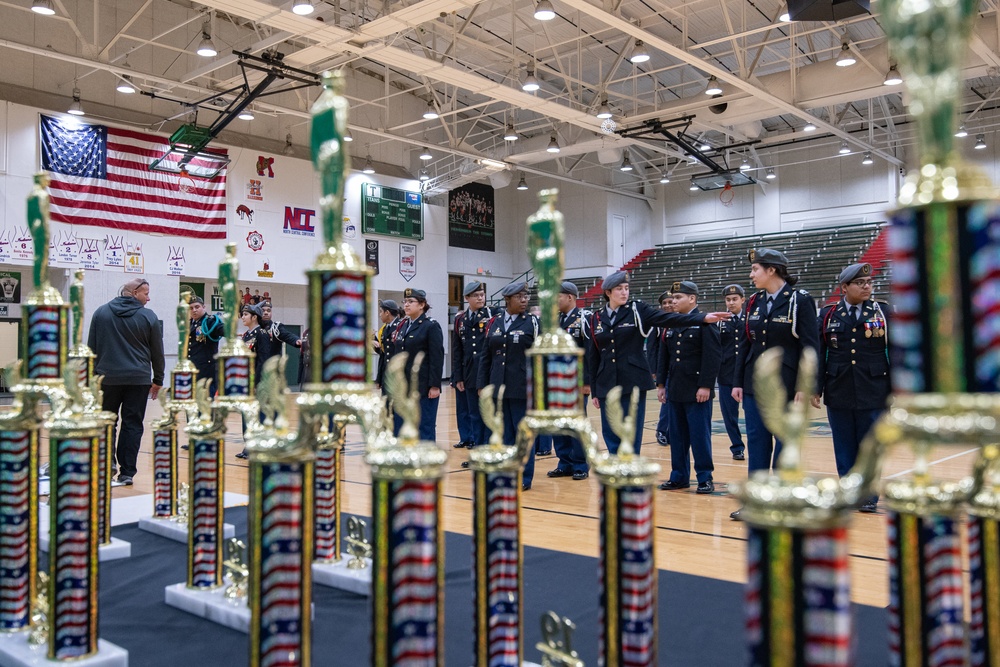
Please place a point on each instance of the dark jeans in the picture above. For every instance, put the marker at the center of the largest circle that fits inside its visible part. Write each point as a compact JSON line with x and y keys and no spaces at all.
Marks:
{"x":130,"y":401}
{"x":763,"y":448}
{"x":480,"y":434}
{"x":514,"y":410}
{"x":731,"y":418}
{"x":462,"y":416}
{"x":612,"y":440}
{"x":690,"y":433}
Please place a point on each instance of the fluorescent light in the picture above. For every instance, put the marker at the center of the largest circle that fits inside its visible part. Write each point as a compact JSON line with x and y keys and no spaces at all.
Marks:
{"x":626,"y":163}
{"x":770,"y":174}
{"x":809,"y":127}
{"x":639,"y":53}
{"x":522,"y":184}
{"x":76,"y":109}
{"x":604,"y":111}
{"x":980,"y":142}
{"x":553,"y":146}
{"x":423,"y":176}
{"x":892,"y":77}
{"x":530,"y":84}
{"x":246,"y":114}
{"x":962,"y":132}
{"x":713,"y":86}
{"x":510,"y":134}
{"x":302,"y":7}
{"x":43,"y":7}
{"x":664,"y":178}
{"x":496,"y":164}
{"x":369,"y":169}
{"x":425,"y":154}
{"x":785,"y":17}
{"x":867,"y":158}
{"x":544,"y":11}
{"x":844,"y":148}
{"x":846,"y":58}
{"x":125,"y":86}
{"x":431,"y":113}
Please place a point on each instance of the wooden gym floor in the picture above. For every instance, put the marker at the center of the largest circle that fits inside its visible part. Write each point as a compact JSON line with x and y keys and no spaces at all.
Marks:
{"x":694,"y":533}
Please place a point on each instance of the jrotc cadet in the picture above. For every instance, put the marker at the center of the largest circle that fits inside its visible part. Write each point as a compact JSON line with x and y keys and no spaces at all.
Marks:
{"x":653,"y":344}
{"x":572,"y":459}
{"x":731,"y":334}
{"x":388,"y":315}
{"x":689,"y":365}
{"x":617,"y":331}
{"x":466,"y":349}
{"x":853,"y":366}
{"x":505,"y":362}
{"x":778,"y":316}
{"x":203,"y":345}
{"x":465,"y":437}
{"x":419,"y":333}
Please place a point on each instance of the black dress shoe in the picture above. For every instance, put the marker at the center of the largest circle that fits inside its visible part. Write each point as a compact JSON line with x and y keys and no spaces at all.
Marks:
{"x":870,"y":507}
{"x":547,"y":453}
{"x":243,"y":455}
{"x":738,"y":456}
{"x":706,"y":487}
{"x":661,"y":438}
{"x":735,"y":516}
{"x":582,"y":474}
{"x":526,"y":487}
{"x":465,"y":464}
{"x":459,"y":445}
{"x":671,"y":485}
{"x":559,"y":472}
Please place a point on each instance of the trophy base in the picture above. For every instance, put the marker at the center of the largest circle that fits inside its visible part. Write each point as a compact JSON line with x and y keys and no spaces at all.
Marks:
{"x":178,"y":532}
{"x":211,"y":605}
{"x":115,"y":550}
{"x":338,"y":575}
{"x":16,"y":652}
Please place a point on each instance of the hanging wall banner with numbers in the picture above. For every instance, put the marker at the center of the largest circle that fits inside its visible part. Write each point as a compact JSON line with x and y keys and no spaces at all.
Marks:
{"x":371,"y":254}
{"x":408,"y":261}
{"x":471,"y":223}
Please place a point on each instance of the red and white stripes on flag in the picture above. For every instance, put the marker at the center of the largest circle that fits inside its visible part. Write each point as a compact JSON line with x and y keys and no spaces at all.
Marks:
{"x":100,"y":177}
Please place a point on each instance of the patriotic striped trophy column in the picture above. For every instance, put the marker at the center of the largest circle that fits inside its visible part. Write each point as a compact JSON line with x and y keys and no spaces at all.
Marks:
{"x":327,"y":488}
{"x":944,"y":241}
{"x":340,"y":298}
{"x":984,"y":560}
{"x":798,"y":585}
{"x":281,"y":487}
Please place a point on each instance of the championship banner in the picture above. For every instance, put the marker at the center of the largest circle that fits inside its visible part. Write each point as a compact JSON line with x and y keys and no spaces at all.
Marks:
{"x":371,"y":254}
{"x":471,"y":221}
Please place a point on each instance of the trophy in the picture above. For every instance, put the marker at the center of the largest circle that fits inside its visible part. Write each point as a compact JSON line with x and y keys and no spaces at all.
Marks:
{"x":984,"y":558}
{"x":237,"y":571}
{"x":357,"y":544}
{"x":556,"y":646}
{"x":329,"y":459}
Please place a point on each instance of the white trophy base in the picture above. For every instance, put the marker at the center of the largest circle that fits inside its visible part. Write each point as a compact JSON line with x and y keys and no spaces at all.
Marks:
{"x":16,"y":652}
{"x":115,"y":550}
{"x":210,"y":604}
{"x":338,"y":575}
{"x":178,"y":532}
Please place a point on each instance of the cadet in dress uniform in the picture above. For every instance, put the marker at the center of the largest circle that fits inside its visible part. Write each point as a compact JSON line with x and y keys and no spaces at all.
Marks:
{"x":617,"y":358}
{"x":388,"y":314}
{"x":509,"y":336}
{"x":465,"y":437}
{"x":731,"y":334}
{"x":203,"y":345}
{"x":465,"y":357}
{"x":777,"y":316}
{"x":689,"y":365}
{"x":653,"y":344}
{"x":853,"y":366}
{"x":419,"y":333}
{"x":569,"y":450}
{"x":258,"y":341}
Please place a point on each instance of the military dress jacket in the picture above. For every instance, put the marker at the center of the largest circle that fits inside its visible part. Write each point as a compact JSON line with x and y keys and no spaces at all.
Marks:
{"x":689,"y":360}
{"x":258,"y":340}
{"x":616,"y":356}
{"x":422,"y":335}
{"x":467,"y":345}
{"x":791,"y":325}
{"x":203,"y":344}
{"x":384,"y":337}
{"x":731,"y":336}
{"x":505,"y":361}
{"x":577,"y":324}
{"x":853,"y":369}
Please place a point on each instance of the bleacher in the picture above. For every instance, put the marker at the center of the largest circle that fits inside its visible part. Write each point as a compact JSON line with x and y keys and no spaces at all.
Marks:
{"x":816,"y":255}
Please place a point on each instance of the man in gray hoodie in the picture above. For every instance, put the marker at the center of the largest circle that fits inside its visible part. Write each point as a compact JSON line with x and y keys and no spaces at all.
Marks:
{"x":128,"y":342}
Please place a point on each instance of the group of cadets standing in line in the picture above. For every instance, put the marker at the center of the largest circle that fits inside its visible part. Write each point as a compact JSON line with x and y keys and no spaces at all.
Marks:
{"x":677,"y":349}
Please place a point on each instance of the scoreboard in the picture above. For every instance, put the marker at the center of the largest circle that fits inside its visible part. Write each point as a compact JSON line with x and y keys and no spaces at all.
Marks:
{"x":391,"y":212}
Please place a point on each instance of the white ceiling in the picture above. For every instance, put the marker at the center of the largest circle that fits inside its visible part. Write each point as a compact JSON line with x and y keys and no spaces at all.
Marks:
{"x":466,"y":58}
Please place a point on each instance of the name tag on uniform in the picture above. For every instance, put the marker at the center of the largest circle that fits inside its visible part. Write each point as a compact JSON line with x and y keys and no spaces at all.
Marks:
{"x":755,"y":316}
{"x":780,"y":320}
{"x":624,"y":325}
{"x":515,"y":337}
{"x":834,"y":324}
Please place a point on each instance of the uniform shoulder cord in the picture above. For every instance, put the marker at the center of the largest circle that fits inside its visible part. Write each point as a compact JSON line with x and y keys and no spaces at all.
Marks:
{"x":638,"y":320}
{"x":885,"y":326}
{"x":593,"y":328}
{"x":822,"y":331}
{"x":793,"y":310}
{"x":750,"y":303}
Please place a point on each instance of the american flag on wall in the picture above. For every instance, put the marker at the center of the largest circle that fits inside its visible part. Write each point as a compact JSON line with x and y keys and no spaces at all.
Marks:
{"x":100,"y":177}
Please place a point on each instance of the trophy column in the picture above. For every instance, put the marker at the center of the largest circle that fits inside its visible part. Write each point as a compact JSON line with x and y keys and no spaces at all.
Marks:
{"x":326,"y":494}
{"x":165,"y":466}
{"x":205,"y":466}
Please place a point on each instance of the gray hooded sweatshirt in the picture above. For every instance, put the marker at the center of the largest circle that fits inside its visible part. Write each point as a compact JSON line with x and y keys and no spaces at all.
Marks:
{"x":128,"y":341}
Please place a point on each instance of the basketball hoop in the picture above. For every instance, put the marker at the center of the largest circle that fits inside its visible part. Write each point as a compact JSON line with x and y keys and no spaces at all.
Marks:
{"x":184,"y":182}
{"x":727,"y":195}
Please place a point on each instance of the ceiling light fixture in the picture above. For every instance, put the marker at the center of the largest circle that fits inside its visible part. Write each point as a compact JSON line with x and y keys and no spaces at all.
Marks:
{"x":125,"y":86}
{"x":980,"y":142}
{"x":713,"y":86}
{"x":962,"y":132}
{"x":785,"y":17}
{"x":522,"y":184}
{"x":604,"y":112}
{"x":553,"y":146}
{"x":639,"y":53}
{"x":626,"y":163}
{"x":867,"y":159}
{"x":43,"y":7}
{"x":369,"y":168}
{"x":770,"y":174}
{"x":423,"y":175}
{"x":425,"y":154}
{"x":530,"y":84}
{"x":693,"y":187}
{"x":846,"y":58}
{"x":510,"y":134}
{"x":844,"y":148}
{"x":288,"y":149}
{"x":704,"y":146}
{"x":544,"y":11}
{"x":892,"y":77}
{"x":76,"y":109}
{"x":745,"y":165}
{"x":490,"y":162}
{"x":246,"y":114}
{"x":302,"y":7}
{"x":664,"y":178}
{"x":431,"y":113}
{"x":207,"y":47}
{"x":348,"y":136}
{"x":809,"y":127}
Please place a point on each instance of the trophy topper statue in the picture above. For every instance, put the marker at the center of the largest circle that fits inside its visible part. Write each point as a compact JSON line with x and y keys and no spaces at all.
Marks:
{"x":331,"y":160}
{"x":38,"y":224}
{"x":76,"y":305}
{"x":183,"y":325}
{"x":545,"y":251}
{"x":229,"y":273}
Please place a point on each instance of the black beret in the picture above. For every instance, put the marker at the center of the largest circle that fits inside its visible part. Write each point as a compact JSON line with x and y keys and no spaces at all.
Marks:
{"x":566,"y":287}
{"x":255,"y":309}
{"x":767,"y":256}
{"x":389,"y":305}
{"x":665,"y":295}
{"x":684,"y":287}
{"x":473,"y":286}
{"x":418,"y":294}
{"x":514,"y":288}
{"x":197,"y":299}
{"x":854,"y":271}
{"x":614,"y":280}
{"x":730,"y":290}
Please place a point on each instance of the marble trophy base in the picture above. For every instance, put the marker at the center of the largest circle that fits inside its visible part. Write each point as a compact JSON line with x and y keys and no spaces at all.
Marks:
{"x":338,"y":575}
{"x":115,"y":550}
{"x":178,"y":532}
{"x":16,"y":652}
{"x":209,"y":604}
